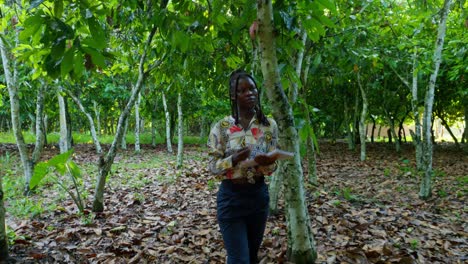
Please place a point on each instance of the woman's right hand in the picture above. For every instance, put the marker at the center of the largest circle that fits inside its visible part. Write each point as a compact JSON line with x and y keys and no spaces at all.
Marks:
{"x":240,"y":155}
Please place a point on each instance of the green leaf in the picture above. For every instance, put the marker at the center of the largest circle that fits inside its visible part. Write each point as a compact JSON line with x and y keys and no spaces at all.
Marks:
{"x":67,"y":62}
{"x":329,"y":4}
{"x":98,"y":33}
{"x":40,"y":170}
{"x":31,"y":25}
{"x":74,"y":169}
{"x":58,"y":8}
{"x":60,"y":159}
{"x":78,"y":64}
{"x":58,"y":48}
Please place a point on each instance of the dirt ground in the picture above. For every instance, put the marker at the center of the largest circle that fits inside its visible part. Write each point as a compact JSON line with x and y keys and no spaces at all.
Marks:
{"x":360,"y":212}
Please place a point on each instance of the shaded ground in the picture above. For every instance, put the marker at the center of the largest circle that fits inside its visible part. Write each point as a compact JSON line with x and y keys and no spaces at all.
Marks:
{"x":361,"y":212}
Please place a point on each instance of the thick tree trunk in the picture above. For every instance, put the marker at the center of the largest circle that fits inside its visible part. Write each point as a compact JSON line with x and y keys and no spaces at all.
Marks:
{"x":362,"y":120}
{"x":168,"y":124}
{"x":180,"y":134}
{"x":9,"y":70}
{"x":4,"y":256}
{"x":92,"y":128}
{"x":105,"y":162}
{"x":426,"y":184}
{"x":137,"y":124}
{"x":63,"y":142}
{"x":301,"y":244}
{"x":274,"y":189}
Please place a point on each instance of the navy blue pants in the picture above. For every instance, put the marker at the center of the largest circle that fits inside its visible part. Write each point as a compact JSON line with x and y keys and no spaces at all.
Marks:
{"x":242,"y":214}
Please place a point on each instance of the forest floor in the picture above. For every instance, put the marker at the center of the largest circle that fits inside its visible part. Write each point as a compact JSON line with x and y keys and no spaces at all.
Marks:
{"x":361,"y":212}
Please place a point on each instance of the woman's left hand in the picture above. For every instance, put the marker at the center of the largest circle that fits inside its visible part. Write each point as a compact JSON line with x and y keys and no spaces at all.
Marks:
{"x":264,"y":160}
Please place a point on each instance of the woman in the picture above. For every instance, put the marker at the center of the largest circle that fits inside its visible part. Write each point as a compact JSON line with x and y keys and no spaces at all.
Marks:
{"x":242,"y":200}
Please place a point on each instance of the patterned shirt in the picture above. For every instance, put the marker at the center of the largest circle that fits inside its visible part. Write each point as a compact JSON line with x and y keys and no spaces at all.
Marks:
{"x":226,"y":138}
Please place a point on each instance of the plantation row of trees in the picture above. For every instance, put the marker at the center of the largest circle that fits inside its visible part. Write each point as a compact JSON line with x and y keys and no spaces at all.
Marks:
{"x":326,"y":68}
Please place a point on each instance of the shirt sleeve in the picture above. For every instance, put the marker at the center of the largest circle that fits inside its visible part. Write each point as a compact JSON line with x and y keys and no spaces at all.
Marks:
{"x":218,"y":164}
{"x":268,"y":170}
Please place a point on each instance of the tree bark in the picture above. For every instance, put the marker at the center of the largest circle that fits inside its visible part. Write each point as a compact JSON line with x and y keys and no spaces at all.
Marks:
{"x":137,"y":124}
{"x":63,"y":142}
{"x":98,"y":117}
{"x":180,"y":134}
{"x":301,"y":244}
{"x":426,"y":183}
{"x":105,"y":162}
{"x":153,"y":126}
{"x":168,"y":124}
{"x":362,"y":120}
{"x":446,"y":125}
{"x":92,"y":128}
{"x":9,"y":69}
{"x":351,"y":145}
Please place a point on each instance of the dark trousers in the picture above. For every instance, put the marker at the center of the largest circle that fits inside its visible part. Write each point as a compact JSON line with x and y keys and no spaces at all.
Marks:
{"x":242,"y":214}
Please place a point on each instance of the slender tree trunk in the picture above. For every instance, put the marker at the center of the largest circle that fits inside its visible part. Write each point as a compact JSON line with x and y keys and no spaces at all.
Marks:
{"x":94,"y":136}
{"x":362,"y":120}
{"x":40,"y":137}
{"x":446,"y":125}
{"x":351,"y":145}
{"x":9,"y":70}
{"x":355,"y":130}
{"x":465,"y":133}
{"x":105,"y":162}
{"x":153,"y":126}
{"x":168,"y":124}
{"x":373,"y":129}
{"x":180,"y":134}
{"x":137,"y":124}
{"x":63,"y":142}
{"x":70,"y":141}
{"x":301,"y":244}
{"x":426,"y":184}
{"x":392,"y":133}
{"x":123,"y":141}
{"x":4,"y":256}
{"x":98,"y":117}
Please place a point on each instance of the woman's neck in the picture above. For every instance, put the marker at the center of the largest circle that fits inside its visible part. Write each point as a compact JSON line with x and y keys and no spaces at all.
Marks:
{"x":245,"y":117}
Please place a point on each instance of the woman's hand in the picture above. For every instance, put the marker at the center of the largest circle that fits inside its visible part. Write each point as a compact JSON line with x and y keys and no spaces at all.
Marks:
{"x":264,"y":159}
{"x":240,"y":155}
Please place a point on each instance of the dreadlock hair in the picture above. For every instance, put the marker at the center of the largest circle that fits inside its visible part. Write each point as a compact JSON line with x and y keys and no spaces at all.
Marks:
{"x":233,"y":83}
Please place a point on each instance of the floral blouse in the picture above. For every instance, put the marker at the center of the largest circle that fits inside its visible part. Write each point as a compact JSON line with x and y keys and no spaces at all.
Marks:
{"x":226,"y":138}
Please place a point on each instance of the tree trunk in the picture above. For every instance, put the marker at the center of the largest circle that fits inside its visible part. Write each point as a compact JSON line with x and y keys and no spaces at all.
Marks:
{"x":301,"y":244}
{"x":153,"y":126}
{"x":362,"y":120}
{"x":40,"y":137}
{"x":92,"y":129}
{"x":180,"y":134}
{"x":274,"y":189}
{"x":392,"y":133}
{"x":465,"y":132}
{"x":123,"y":141}
{"x":351,"y":145}
{"x":63,"y":142}
{"x":445,"y":124}
{"x":168,"y":124}
{"x":98,"y":117}
{"x":105,"y":162}
{"x":9,"y":69}
{"x":4,"y":256}
{"x":373,"y":129}
{"x":137,"y":124}
{"x":426,"y":185}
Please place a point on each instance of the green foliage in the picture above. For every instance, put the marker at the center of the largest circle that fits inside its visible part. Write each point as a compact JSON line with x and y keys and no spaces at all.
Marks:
{"x":60,"y":165}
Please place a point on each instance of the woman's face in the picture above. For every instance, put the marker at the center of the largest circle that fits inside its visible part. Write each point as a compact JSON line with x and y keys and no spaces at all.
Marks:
{"x":246,"y":94}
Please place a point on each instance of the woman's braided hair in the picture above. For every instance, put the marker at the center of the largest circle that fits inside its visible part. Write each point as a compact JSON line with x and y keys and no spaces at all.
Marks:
{"x":233,"y":83}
